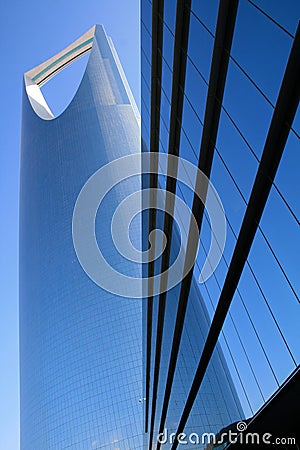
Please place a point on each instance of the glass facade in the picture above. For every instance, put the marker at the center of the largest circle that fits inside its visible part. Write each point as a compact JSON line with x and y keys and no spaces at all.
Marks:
{"x":81,"y":347}
{"x":258,"y":347}
{"x":99,"y":371}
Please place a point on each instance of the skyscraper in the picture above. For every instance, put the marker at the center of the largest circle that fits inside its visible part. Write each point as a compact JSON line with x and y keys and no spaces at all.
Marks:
{"x":100,"y":367}
{"x":81,"y":346}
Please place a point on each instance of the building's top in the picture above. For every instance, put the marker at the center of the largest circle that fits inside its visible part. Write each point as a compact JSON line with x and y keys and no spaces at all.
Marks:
{"x":35,"y":78}
{"x":39,"y":75}
{"x":44,"y":72}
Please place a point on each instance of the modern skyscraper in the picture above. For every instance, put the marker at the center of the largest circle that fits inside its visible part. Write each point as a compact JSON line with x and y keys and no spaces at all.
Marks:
{"x":220,"y":96}
{"x":98,"y":370}
{"x":81,"y":347}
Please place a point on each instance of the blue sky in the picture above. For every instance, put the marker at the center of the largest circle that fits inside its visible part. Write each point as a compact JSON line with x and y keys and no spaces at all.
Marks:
{"x":31,"y":32}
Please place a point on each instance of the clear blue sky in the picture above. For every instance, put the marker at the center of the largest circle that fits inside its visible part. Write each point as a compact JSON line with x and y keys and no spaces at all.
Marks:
{"x":30,"y":33}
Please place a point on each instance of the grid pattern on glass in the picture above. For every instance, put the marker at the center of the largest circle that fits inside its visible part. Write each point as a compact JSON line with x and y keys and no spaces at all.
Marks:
{"x":81,"y":347}
{"x":247,"y":336}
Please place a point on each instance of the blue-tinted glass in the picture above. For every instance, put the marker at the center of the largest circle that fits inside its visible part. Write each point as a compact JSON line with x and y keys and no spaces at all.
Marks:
{"x":257,"y":348}
{"x":81,"y":347}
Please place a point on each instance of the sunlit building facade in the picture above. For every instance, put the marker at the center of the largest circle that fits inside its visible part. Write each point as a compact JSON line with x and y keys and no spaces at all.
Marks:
{"x":102,"y":371}
{"x":81,"y":347}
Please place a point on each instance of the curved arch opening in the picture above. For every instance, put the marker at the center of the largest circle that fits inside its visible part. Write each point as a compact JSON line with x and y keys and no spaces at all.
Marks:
{"x":64,"y":71}
{"x":60,"y":89}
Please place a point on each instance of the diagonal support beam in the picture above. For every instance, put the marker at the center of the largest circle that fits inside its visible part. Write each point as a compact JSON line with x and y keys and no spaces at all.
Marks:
{"x":282,"y":120}
{"x":156,"y":73}
{"x":178,"y":83}
{"x":220,"y":59}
